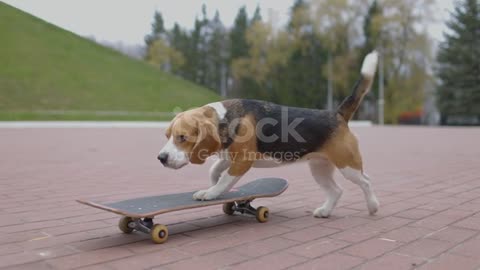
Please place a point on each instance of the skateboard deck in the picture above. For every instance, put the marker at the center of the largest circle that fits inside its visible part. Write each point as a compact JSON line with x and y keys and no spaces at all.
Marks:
{"x":155,"y":205}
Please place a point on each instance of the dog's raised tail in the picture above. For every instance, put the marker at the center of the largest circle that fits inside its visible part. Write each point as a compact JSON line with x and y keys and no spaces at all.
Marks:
{"x":351,"y":103}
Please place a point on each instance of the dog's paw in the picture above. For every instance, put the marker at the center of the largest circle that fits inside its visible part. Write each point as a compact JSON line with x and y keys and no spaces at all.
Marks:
{"x":205,"y":195}
{"x":322,"y":212}
{"x":199,"y":195}
{"x":373,"y":205}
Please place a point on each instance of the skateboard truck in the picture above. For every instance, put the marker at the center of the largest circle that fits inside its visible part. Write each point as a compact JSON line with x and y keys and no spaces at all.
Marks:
{"x":244,"y":207}
{"x":158,"y":232}
{"x":144,"y":225}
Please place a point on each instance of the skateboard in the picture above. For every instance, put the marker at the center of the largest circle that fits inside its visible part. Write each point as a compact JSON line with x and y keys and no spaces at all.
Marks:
{"x":138,"y":213}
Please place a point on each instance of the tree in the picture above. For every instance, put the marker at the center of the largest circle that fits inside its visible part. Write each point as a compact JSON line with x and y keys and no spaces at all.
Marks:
{"x":163,"y":56}
{"x":238,"y":49}
{"x":158,"y":29}
{"x":370,"y":31}
{"x":196,"y":65}
{"x":459,"y":63}
{"x":268,"y":55}
{"x":303,"y":78}
{"x":407,"y":55}
{"x":257,"y":16}
{"x":239,"y":46}
{"x":179,"y":40}
{"x":203,"y":35}
{"x":338,"y":24}
{"x":217,"y":55}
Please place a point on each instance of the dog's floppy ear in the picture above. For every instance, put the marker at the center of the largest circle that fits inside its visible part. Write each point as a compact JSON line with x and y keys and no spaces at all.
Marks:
{"x":208,"y":142}
{"x":168,"y":131}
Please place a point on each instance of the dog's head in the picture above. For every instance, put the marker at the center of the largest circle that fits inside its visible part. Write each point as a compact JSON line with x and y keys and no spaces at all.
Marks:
{"x":192,"y":137}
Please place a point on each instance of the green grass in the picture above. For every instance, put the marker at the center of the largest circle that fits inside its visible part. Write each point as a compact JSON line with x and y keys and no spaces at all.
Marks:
{"x":43,"y":67}
{"x":81,"y":116}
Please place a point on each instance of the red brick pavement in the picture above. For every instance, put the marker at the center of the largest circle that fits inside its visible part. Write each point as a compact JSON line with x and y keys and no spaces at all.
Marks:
{"x":427,"y":180}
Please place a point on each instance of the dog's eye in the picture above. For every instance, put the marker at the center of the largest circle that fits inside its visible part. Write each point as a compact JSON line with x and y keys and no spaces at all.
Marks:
{"x":181,"y":138}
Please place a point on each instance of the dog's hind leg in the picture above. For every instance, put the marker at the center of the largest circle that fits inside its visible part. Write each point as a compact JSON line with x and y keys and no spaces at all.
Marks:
{"x":322,"y":170}
{"x":344,"y":152}
{"x":362,"y":180}
{"x":217,"y":169}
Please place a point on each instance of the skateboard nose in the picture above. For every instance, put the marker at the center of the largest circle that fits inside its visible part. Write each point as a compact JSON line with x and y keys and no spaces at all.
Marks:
{"x":163,"y":157}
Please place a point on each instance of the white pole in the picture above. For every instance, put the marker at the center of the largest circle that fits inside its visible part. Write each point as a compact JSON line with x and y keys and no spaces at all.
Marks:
{"x":330,"y":84}
{"x":381,"y":99}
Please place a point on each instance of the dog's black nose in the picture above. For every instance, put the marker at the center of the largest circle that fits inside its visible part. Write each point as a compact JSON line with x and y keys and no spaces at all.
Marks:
{"x":163,"y":157}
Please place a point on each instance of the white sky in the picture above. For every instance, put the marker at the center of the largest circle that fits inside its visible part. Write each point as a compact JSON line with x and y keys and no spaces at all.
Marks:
{"x":129,"y":21}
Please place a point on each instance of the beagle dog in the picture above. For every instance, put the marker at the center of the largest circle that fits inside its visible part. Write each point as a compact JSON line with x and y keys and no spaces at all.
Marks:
{"x":246,"y":134}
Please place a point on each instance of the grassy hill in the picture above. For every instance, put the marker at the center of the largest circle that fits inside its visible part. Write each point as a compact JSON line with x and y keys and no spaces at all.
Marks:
{"x":50,"y":73}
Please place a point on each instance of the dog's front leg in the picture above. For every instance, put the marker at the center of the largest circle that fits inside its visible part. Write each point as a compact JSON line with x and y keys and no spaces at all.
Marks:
{"x":217,"y":169}
{"x":225,"y":183}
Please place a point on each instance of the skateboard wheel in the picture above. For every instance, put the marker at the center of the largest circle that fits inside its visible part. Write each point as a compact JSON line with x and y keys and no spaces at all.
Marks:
{"x":262,"y":214}
{"x":123,"y":224}
{"x":159,"y":233}
{"x":228,"y":208}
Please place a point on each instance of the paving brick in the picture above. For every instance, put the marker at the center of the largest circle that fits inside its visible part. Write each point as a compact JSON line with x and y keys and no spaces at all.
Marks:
{"x":396,"y":207}
{"x":309,"y":233}
{"x":108,"y":241}
{"x":425,"y":248}
{"x":472,"y":223}
{"x":145,"y":261}
{"x":31,"y":226}
{"x":211,"y":261}
{"x":215,"y":231}
{"x":387,"y":224}
{"x":452,"y":234}
{"x":279,"y":260}
{"x":356,"y":234}
{"x":407,"y":234}
{"x":258,"y":231}
{"x":393,"y":261}
{"x":10,"y":249}
{"x":435,"y":222}
{"x":303,"y":222}
{"x":40,"y":265}
{"x":331,"y":262}
{"x":450,"y":261}
{"x":470,"y":248}
{"x":371,"y":248}
{"x":295,"y":213}
{"x":89,"y":258}
{"x":96,"y":267}
{"x":18,"y":258}
{"x":146,"y":246}
{"x":474,"y":207}
{"x":29,"y":256}
{"x":71,"y":228}
{"x":415,"y":213}
{"x":346,"y":222}
{"x":317,"y":248}
{"x":263,"y":247}
{"x":212,"y":244}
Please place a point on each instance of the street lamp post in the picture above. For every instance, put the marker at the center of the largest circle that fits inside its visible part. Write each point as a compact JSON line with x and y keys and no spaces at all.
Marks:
{"x":381,"y":90}
{"x":330,"y":83}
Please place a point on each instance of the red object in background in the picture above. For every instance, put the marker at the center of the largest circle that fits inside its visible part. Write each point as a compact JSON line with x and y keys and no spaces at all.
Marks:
{"x":411,"y":118}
